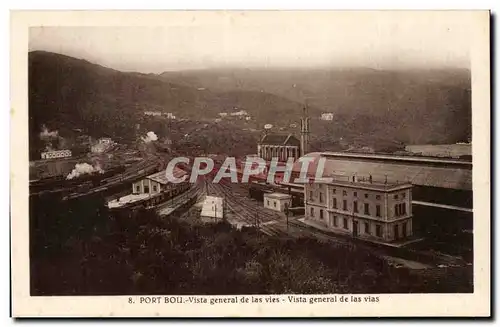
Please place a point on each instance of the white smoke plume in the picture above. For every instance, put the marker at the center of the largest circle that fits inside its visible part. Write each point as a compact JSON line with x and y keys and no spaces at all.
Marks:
{"x":47,"y":135}
{"x":150,"y":137}
{"x":82,"y":169}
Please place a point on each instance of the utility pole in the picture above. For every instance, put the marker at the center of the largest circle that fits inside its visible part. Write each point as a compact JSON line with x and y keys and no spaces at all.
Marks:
{"x":224,"y":208}
{"x":287,"y":211}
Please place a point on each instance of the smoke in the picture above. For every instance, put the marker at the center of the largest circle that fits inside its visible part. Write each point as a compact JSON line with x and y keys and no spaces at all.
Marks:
{"x":53,"y":141}
{"x":150,"y":137}
{"x":82,"y":169}
{"x":47,"y":135}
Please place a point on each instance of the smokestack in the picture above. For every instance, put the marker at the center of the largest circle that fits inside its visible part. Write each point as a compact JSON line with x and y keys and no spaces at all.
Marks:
{"x":304,"y":133}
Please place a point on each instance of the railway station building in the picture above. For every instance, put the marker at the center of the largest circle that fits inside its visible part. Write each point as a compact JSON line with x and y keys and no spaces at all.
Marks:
{"x":365,"y":209}
{"x":157,"y":183}
{"x":152,"y":190}
{"x":403,"y":195}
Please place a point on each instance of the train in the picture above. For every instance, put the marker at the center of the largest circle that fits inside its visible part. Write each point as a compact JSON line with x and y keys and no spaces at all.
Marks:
{"x":155,"y":199}
{"x":60,"y":182}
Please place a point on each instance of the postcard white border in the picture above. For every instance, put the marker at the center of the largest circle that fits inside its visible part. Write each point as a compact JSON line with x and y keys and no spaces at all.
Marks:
{"x":476,"y":304}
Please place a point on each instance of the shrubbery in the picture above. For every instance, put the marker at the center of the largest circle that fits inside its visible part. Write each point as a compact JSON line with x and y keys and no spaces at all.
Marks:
{"x":94,"y":252}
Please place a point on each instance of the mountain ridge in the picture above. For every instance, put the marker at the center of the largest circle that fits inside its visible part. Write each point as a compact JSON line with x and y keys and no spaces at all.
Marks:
{"x":422,"y":107}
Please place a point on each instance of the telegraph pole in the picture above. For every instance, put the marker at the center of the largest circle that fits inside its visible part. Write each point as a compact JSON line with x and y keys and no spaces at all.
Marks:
{"x":224,"y":208}
{"x":287,"y":211}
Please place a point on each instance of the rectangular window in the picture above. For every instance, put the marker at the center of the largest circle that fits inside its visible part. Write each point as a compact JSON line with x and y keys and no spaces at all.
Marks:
{"x":404,"y":208}
{"x":312,"y":212}
{"x":155,"y":188}
{"x":403,"y":195}
{"x":395,"y":197}
{"x":377,"y":197}
{"x":378,"y":230}
{"x":268,"y":202}
{"x":366,"y":195}
{"x":274,"y":202}
{"x":367,"y":228}
{"x":146,"y":188}
{"x":344,"y":193}
{"x":356,"y":194}
{"x":377,"y":209}
{"x":335,"y":221}
{"x":321,"y":214}
{"x":321,"y":197}
{"x":138,"y":188}
{"x":344,"y":205}
{"x":334,"y":203}
{"x":355,"y":206}
{"x":345,"y":224}
{"x":367,"y":209}
{"x":334,"y":191}
{"x":396,"y":210}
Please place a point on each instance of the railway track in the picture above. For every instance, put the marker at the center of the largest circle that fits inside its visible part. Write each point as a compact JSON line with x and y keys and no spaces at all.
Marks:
{"x":143,"y":168}
{"x":246,"y":212}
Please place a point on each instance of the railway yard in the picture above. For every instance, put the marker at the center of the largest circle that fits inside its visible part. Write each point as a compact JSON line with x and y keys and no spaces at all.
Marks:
{"x":241,"y":209}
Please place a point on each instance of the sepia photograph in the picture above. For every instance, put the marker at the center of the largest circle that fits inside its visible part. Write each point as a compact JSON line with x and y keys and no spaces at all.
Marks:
{"x":309,"y":159}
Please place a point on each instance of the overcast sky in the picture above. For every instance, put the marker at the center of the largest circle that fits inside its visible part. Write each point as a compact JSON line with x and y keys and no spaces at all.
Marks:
{"x":384,"y":41}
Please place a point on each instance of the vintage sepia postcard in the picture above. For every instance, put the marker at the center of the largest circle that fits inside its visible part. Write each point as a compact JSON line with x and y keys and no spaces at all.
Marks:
{"x":250,"y":163}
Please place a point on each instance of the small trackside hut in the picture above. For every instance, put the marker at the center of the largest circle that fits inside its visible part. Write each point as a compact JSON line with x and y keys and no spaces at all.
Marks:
{"x":277,"y":201}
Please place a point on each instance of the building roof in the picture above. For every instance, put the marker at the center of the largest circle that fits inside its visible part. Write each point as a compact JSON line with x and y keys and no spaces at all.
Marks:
{"x":279,"y":139}
{"x":127,"y":199}
{"x":161,"y":177}
{"x":279,"y":196}
{"x":436,"y":172}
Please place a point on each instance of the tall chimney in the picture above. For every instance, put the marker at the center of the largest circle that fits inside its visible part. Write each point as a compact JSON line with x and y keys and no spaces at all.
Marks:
{"x":304,"y":133}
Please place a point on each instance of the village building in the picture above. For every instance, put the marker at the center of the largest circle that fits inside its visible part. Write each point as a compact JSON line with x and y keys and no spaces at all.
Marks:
{"x":327,"y":116}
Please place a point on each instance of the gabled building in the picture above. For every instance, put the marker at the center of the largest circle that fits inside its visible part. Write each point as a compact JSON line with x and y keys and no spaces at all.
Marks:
{"x":157,"y":183}
{"x":152,"y":190}
{"x":281,"y":146}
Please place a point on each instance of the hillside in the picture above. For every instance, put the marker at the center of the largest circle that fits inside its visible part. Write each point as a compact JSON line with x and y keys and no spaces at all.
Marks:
{"x":414,"y":106}
{"x":370,"y":106}
{"x":74,"y":92}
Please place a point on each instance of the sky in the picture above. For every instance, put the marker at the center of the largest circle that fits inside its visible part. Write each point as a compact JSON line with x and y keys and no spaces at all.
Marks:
{"x":384,"y":40}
